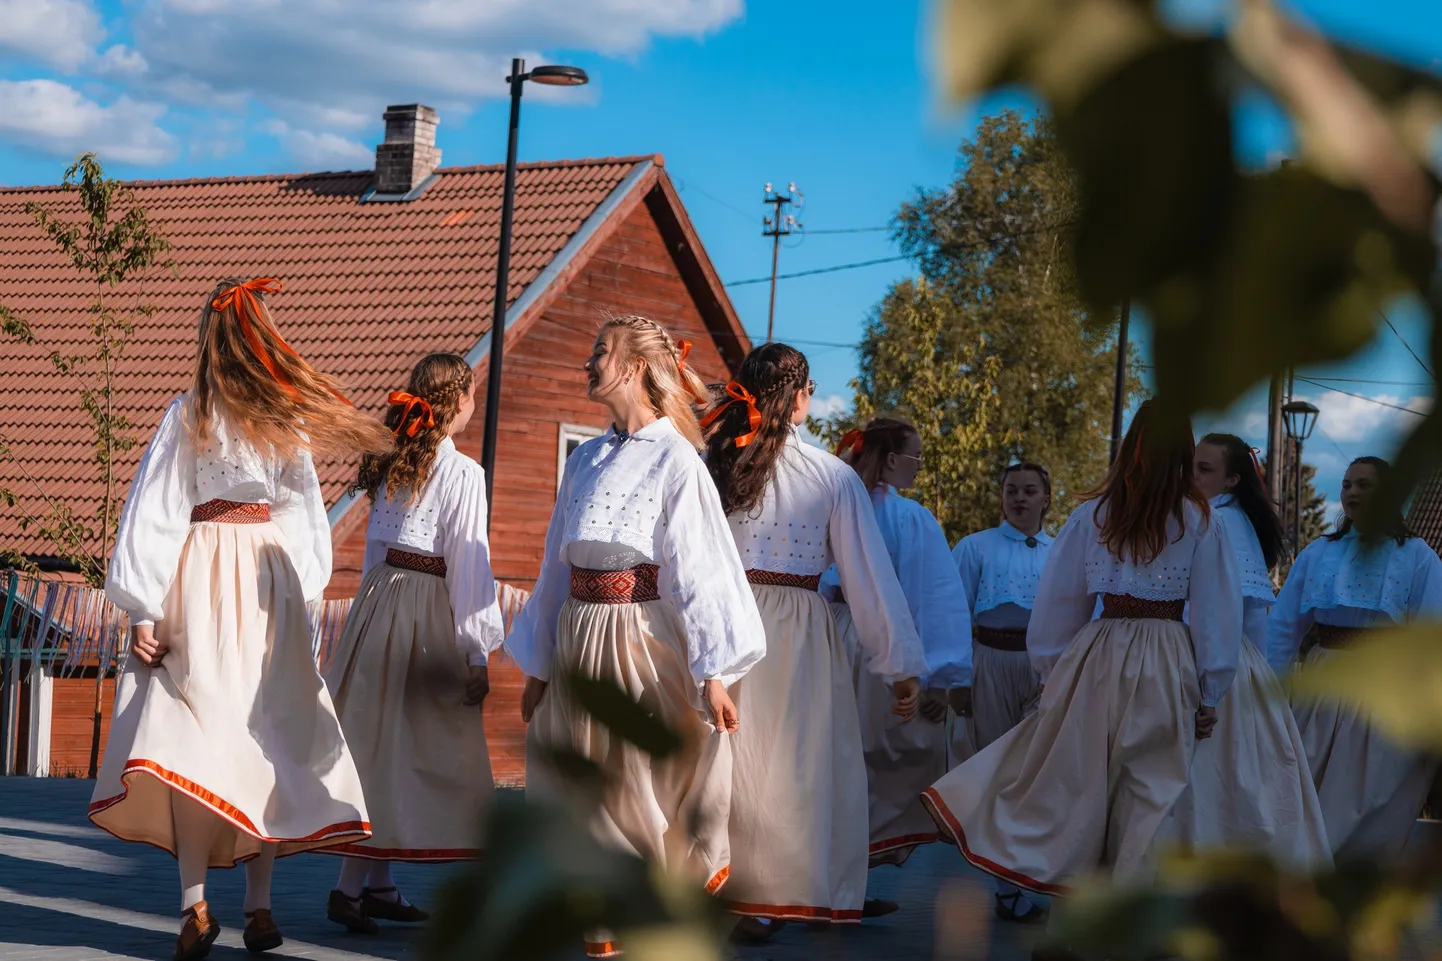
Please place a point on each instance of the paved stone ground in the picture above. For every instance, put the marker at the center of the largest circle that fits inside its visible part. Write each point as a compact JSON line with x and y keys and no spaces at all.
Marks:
{"x":70,"y":892}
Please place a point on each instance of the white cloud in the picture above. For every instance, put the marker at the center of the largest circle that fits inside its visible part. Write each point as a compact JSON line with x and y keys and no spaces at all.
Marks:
{"x":121,"y":62}
{"x":829,"y":406}
{"x":332,"y":63}
{"x":1351,"y":420}
{"x":320,"y":150}
{"x":60,"y":33}
{"x":56,"y":118}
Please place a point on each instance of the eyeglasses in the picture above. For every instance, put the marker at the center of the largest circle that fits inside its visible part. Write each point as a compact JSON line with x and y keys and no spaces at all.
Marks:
{"x":915,"y":457}
{"x":811,"y":388}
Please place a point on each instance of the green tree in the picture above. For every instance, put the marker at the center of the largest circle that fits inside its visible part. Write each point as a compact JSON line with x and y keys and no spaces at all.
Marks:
{"x":990,"y":352}
{"x":1314,"y":518}
{"x":111,"y":242}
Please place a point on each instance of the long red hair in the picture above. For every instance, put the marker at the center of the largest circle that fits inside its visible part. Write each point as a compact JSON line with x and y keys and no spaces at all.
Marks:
{"x":1149,"y":483}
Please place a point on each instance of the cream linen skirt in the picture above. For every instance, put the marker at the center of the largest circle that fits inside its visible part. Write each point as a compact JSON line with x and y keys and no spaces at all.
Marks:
{"x":1250,"y":783}
{"x":399,"y":684}
{"x":798,"y":811}
{"x":671,"y":812}
{"x":1085,"y":782}
{"x":1004,"y":689}
{"x":235,"y":715}
{"x":1371,"y":789}
{"x":903,"y":758}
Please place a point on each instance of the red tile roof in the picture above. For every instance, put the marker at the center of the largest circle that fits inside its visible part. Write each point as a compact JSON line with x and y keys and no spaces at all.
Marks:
{"x":369,"y":287}
{"x":1425,"y":515}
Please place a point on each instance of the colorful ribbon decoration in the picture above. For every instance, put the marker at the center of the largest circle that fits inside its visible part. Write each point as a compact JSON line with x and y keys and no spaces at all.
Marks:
{"x":427,"y":420}
{"x":685,"y":347}
{"x":242,"y":298}
{"x":738,"y":395}
{"x":1257,"y":464}
{"x":852,"y":440}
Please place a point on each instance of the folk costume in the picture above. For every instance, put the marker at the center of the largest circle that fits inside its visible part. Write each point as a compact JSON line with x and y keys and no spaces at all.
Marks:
{"x":1086,"y":781}
{"x":426,"y":611}
{"x":1371,"y":789}
{"x":641,"y":585}
{"x":220,"y":548}
{"x":1251,"y":786}
{"x":799,"y":820}
{"x":903,"y":758}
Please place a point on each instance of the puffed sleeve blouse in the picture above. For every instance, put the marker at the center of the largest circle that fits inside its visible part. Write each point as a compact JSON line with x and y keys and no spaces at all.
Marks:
{"x":1197,"y":566}
{"x":1000,"y":569}
{"x":646,"y":498}
{"x":1347,"y":583}
{"x":1257,"y":593}
{"x":448,"y":520}
{"x":816,"y":514}
{"x":174,"y":477}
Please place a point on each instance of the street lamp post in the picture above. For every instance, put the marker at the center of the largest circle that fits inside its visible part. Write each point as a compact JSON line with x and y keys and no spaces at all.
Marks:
{"x":552,"y":76}
{"x":1300,"y":418}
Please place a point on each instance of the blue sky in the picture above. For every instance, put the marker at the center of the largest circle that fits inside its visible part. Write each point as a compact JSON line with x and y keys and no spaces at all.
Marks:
{"x":834,"y":96}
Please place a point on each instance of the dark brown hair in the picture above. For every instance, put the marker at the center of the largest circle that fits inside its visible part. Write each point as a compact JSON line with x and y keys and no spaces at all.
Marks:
{"x":1395,"y":526}
{"x":866,"y":450}
{"x":1251,"y":494}
{"x":246,"y":372}
{"x":1149,"y":483}
{"x":441,"y":381}
{"x":771,"y":374}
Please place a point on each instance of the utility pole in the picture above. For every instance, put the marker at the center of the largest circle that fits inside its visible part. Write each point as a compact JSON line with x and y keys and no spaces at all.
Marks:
{"x":1119,"y":392}
{"x":777,"y":226}
{"x":1276,"y":437}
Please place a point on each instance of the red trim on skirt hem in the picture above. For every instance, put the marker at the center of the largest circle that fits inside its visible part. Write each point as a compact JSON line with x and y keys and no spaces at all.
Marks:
{"x":718,"y":879}
{"x":951,"y":828}
{"x":343,"y":831}
{"x":413,"y":855}
{"x":602,"y":949}
{"x":793,"y":912}
{"x":902,"y":841}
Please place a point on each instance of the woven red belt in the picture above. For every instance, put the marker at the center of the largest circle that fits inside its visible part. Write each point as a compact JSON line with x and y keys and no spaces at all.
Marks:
{"x":230,"y":512}
{"x":1336,"y":638}
{"x":423,"y":563}
{"x":807,"y":582}
{"x":1116,"y":606}
{"x":999,"y":638}
{"x":634,"y":586}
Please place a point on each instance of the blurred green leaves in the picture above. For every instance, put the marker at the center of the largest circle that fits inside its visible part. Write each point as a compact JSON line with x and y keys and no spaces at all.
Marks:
{"x":614,"y":708}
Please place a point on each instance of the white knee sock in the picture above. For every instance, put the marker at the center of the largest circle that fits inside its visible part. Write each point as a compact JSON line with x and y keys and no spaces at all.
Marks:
{"x":257,"y":879}
{"x":353,"y":872}
{"x":194,"y":826}
{"x":379,"y":879}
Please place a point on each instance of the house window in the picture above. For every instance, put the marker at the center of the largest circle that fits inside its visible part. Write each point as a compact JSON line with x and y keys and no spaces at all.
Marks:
{"x":572,"y":436}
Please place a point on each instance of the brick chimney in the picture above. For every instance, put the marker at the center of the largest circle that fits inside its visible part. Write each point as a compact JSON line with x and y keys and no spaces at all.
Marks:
{"x":409,"y":154}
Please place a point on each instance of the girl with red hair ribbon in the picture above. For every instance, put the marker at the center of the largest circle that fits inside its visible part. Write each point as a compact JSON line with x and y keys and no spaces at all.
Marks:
{"x":409,"y":672}
{"x":224,"y":746}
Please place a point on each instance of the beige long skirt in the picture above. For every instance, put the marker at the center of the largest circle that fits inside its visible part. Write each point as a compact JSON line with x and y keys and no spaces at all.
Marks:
{"x":1250,"y":785}
{"x":798,"y":811}
{"x":1004,"y":689}
{"x":1371,"y":789}
{"x":671,"y":812}
{"x":1085,"y":782}
{"x":235,"y":715}
{"x":903,"y":758}
{"x":399,"y":684}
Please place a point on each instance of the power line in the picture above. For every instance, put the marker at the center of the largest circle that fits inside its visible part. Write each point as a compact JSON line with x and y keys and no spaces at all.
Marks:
{"x":820,"y":270}
{"x":847,"y":230}
{"x":1385,"y":383}
{"x":1388,"y":322}
{"x":750,"y":218}
{"x":1370,"y":400}
{"x":1334,"y":444}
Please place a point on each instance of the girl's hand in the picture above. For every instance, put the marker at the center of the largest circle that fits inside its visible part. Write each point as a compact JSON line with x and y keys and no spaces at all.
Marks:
{"x":1206,"y":720}
{"x":145,"y":645}
{"x":723,"y":709}
{"x":478,"y":685}
{"x":905,"y":694}
{"x":531,"y":697}
{"x":960,"y":698}
{"x":933,"y":705}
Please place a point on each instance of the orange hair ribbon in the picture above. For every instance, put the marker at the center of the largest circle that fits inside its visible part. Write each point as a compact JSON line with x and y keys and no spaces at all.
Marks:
{"x":738,"y":395}
{"x":685,"y":347}
{"x":247,"y":311}
{"x":427,"y":420}
{"x":1257,"y":464}
{"x":852,"y":440}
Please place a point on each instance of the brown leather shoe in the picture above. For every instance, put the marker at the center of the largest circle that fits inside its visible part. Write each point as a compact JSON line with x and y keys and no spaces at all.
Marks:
{"x":197,"y":933}
{"x":261,"y":934}
{"x":349,"y":914}
{"x":375,"y":907}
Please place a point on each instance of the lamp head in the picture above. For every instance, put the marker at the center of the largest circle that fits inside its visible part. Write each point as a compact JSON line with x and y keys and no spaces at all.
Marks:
{"x":559,"y":76}
{"x":1300,"y":418}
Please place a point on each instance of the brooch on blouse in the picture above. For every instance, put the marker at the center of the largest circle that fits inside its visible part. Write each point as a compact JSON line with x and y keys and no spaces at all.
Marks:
{"x":1030,"y":541}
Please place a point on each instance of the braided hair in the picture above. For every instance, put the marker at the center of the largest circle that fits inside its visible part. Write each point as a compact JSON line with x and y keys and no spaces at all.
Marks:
{"x":670,"y":386}
{"x":770,"y":375}
{"x":439,"y":382}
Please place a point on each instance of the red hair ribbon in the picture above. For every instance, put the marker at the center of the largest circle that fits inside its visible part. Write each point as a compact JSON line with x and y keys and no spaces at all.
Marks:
{"x":685,"y":347}
{"x":427,"y":420}
{"x":242,"y":298}
{"x":1257,"y":463}
{"x":738,"y":395}
{"x":852,"y":440}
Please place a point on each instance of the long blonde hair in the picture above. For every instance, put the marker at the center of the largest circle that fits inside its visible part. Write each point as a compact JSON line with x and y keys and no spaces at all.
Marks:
{"x":671,"y":387}
{"x":267,"y":392}
{"x":419,"y":418}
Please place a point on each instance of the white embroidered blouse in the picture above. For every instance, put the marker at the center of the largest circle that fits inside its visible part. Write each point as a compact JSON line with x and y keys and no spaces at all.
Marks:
{"x":1000,"y":572}
{"x":1257,"y":593}
{"x":449,"y":521}
{"x":1342,"y":583}
{"x":646,"y":498}
{"x":174,"y":477}
{"x":1198,"y":565}
{"x":816,"y":513}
